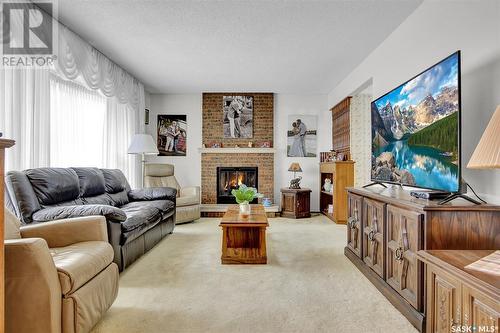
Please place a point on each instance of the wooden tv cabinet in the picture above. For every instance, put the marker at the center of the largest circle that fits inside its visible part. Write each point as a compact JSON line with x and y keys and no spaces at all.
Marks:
{"x":386,"y":227}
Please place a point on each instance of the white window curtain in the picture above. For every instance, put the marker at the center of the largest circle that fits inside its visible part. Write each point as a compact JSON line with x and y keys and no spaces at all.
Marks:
{"x":48,"y":127}
{"x":77,"y":116}
{"x":24,"y":117}
{"x":59,"y":123}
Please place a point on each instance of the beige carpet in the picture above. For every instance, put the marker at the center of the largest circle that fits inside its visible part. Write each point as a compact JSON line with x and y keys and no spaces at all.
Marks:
{"x":307,"y":286}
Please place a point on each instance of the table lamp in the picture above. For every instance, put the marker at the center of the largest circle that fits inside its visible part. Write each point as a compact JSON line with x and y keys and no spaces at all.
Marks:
{"x":487,"y":152}
{"x":142,"y":144}
{"x":295,"y":182}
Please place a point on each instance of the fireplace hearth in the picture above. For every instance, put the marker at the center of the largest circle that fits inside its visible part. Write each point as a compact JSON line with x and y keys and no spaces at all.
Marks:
{"x":229,"y":178}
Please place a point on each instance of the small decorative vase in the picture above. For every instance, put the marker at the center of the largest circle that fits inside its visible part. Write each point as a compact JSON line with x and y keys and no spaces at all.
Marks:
{"x":244,"y":209}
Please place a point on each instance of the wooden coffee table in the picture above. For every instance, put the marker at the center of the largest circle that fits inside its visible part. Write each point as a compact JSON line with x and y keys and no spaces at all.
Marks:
{"x":244,"y":238}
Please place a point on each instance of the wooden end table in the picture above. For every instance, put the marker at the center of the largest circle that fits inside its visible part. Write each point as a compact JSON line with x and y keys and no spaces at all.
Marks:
{"x":244,"y":238}
{"x":296,"y":203}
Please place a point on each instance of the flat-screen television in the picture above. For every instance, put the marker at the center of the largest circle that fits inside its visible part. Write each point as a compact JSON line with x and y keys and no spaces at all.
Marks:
{"x":416,"y":130}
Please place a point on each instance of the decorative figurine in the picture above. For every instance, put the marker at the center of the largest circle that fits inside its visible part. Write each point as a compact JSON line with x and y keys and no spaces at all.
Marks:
{"x":328,"y":185}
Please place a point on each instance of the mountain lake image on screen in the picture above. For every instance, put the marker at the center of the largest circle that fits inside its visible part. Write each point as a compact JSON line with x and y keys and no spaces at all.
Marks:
{"x":415,"y":130}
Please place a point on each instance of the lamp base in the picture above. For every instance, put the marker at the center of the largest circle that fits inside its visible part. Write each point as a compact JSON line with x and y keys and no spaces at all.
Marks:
{"x":295,"y":183}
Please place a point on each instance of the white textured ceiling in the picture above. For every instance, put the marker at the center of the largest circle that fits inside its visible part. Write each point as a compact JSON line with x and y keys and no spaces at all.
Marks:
{"x":276,"y":45}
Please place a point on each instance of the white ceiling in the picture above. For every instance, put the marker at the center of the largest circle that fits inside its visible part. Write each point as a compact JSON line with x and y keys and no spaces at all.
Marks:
{"x":275,"y":45}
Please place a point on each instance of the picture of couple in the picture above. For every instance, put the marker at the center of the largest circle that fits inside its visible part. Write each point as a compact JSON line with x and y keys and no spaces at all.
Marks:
{"x":238,"y":116}
{"x":301,"y":140}
{"x":172,"y":132}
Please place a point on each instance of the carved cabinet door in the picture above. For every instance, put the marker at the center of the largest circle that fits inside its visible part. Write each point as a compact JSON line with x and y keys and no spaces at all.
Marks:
{"x":444,"y":302}
{"x":354,"y":223}
{"x":373,"y":235}
{"x":404,"y":239}
{"x":480,"y":311}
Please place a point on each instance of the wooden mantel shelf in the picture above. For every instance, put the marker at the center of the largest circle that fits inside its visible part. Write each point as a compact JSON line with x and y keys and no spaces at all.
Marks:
{"x":237,"y":150}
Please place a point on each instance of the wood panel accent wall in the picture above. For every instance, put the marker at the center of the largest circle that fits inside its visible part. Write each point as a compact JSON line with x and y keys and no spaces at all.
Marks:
{"x":341,"y":127}
{"x":263,"y":119}
{"x":3,"y":145}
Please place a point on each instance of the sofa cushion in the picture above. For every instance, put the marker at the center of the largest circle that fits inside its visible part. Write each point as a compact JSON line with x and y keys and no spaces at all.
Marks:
{"x":115,"y":180}
{"x":78,"y":263}
{"x":188,"y":200}
{"x":140,"y":216}
{"x":65,"y":212}
{"x":153,"y":193}
{"x":118,"y":199}
{"x":164,"y":206}
{"x":101,"y":199}
{"x":54,"y":185}
{"x":21,"y":195}
{"x":91,"y":181}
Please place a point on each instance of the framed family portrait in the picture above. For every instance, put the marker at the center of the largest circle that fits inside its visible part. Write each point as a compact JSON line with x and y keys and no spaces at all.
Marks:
{"x":237,"y":117}
{"x":302,"y":136}
{"x":172,"y":135}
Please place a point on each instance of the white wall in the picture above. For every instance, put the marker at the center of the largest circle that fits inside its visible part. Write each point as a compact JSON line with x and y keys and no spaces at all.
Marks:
{"x":187,"y":169}
{"x":285,"y":105}
{"x":435,"y":30}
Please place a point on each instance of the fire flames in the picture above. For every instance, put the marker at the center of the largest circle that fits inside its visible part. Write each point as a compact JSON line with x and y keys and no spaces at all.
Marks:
{"x":234,"y":182}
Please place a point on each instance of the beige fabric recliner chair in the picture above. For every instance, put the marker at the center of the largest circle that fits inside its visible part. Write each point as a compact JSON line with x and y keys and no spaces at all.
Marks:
{"x":188,"y":198}
{"x":59,"y":275}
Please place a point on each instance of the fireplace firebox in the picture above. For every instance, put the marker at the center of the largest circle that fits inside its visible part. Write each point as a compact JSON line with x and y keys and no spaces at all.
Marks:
{"x":229,"y":178}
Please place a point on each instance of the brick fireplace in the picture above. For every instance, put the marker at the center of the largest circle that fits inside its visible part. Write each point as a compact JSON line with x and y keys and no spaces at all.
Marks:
{"x":230,"y":178}
{"x":228,"y":156}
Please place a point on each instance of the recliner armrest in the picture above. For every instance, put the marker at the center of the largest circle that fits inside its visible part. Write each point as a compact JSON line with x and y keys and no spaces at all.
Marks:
{"x":190,"y":191}
{"x":33,"y":291}
{"x":65,"y":212}
{"x":153,"y":193}
{"x":65,"y":232}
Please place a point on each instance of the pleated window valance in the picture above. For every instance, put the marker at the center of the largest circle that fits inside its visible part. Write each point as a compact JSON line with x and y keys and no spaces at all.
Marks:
{"x":77,"y":57}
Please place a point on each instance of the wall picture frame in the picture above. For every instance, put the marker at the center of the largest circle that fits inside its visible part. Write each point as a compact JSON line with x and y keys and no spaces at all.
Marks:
{"x":237,"y":120}
{"x":172,"y":135}
{"x":302,"y":136}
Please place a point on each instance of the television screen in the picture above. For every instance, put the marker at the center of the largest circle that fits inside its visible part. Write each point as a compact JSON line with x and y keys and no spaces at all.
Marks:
{"x":415,"y":130}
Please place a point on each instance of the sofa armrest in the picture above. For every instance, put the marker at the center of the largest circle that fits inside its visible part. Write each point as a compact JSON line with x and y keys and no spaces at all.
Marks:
{"x":111,"y":213}
{"x":32,"y":288}
{"x":65,"y":232}
{"x":153,"y":193}
{"x":190,"y":191}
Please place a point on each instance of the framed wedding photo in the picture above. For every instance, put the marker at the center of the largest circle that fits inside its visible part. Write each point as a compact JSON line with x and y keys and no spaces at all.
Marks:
{"x":302,"y":136}
{"x":237,"y":120}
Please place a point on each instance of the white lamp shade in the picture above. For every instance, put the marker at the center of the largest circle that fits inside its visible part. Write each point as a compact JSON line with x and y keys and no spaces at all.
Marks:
{"x":142,"y":144}
{"x":487,"y":153}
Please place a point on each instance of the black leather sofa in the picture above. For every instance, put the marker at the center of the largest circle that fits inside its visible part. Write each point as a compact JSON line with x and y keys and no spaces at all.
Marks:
{"x":137,"y":219}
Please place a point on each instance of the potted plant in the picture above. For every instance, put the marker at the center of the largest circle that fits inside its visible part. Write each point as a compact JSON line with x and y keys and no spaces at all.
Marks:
{"x":244,"y":195}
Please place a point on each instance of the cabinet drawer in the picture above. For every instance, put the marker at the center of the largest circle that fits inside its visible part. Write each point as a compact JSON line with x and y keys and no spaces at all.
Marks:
{"x":354,"y":223}
{"x":373,"y":237}
{"x":404,"y":239}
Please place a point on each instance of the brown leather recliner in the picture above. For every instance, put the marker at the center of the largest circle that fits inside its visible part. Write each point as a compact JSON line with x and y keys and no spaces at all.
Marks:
{"x":59,"y":275}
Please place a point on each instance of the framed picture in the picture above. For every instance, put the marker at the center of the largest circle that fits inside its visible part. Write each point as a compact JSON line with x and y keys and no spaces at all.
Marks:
{"x":172,"y":135}
{"x":302,"y":136}
{"x":237,"y":117}
{"x":146,"y":116}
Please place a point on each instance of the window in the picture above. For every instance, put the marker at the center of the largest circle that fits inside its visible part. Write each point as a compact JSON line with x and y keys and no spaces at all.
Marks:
{"x":77,"y":118}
